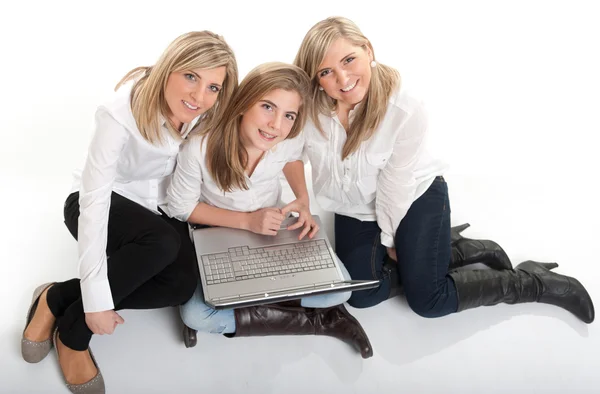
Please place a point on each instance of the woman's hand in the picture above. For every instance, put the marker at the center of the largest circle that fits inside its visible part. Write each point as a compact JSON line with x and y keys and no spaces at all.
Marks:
{"x":392,"y":254}
{"x":265,"y":221}
{"x":104,"y":322}
{"x":305,"y":219}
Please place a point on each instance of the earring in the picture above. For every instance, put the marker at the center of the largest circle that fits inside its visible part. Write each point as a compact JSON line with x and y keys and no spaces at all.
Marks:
{"x":373,"y":63}
{"x":321,"y":88}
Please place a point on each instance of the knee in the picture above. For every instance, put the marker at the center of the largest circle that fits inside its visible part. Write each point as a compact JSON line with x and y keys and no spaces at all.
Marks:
{"x":339,"y":298}
{"x":183,"y":285}
{"x":363,"y":299}
{"x":422,"y":311}
{"x":166,"y":245}
{"x":424,"y":308}
{"x":326,"y":300}
{"x":197,"y":315}
{"x":187,"y":287}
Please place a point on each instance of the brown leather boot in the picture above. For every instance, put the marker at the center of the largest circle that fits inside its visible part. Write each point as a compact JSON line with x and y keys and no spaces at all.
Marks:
{"x":291,"y":319}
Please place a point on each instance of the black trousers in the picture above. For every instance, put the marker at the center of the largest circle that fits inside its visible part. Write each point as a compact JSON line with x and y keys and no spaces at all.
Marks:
{"x":151,"y":264}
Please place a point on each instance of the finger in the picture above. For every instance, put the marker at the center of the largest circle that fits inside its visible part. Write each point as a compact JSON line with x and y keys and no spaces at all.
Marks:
{"x":291,"y":207}
{"x":270,"y":232}
{"x":279,"y":216}
{"x":296,"y":225}
{"x":276,"y":223}
{"x":119,"y":319}
{"x":274,"y":216}
{"x":305,"y":231}
{"x":315,"y":229}
{"x":270,"y":225}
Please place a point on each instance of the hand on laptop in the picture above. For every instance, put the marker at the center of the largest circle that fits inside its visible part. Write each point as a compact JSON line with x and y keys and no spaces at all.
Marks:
{"x":305,"y":219}
{"x":265,"y":221}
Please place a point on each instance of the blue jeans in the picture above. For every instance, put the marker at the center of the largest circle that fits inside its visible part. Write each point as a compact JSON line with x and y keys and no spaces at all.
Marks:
{"x":199,"y":316}
{"x":423,"y":250}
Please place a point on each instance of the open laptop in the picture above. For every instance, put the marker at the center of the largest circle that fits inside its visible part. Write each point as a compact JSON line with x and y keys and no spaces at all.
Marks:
{"x":240,"y":268}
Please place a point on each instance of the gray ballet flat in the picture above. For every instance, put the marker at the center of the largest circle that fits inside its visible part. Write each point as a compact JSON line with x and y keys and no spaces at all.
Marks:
{"x":93,"y":386}
{"x":34,"y":352}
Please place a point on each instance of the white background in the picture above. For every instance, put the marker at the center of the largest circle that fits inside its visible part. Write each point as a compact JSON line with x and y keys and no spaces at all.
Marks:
{"x":512,"y":89}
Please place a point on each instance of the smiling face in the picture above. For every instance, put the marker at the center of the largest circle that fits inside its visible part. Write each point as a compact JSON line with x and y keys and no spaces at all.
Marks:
{"x":192,"y":93}
{"x":270,"y":120}
{"x":345,"y":73}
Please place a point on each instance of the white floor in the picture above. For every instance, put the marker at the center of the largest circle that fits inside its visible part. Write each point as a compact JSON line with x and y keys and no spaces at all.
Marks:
{"x":503,"y":349}
{"x":512,"y":91}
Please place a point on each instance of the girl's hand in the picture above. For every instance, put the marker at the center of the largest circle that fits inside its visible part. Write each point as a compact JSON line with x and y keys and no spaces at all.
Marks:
{"x":305,"y":219}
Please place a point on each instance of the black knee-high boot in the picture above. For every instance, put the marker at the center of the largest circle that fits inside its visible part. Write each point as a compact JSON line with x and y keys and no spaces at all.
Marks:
{"x":528,"y":282}
{"x":467,"y":251}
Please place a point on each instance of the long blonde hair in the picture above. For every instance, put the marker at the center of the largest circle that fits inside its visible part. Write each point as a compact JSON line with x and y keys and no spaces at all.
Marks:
{"x":384,"y":80}
{"x":226,"y":157}
{"x":202,"y":49}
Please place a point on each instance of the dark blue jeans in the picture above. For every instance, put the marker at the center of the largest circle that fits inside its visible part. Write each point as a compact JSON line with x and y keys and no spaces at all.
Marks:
{"x":423,"y":249}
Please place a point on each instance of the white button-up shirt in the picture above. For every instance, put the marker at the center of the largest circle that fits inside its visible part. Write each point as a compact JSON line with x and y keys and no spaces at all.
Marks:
{"x":381,"y":179}
{"x":192,"y":182}
{"x":119,"y":159}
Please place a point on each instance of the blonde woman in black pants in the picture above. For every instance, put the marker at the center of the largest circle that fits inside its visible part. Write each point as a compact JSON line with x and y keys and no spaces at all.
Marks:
{"x":131,"y":255}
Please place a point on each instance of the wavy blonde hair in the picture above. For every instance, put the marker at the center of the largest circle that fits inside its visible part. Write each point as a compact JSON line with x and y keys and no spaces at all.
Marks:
{"x":384,"y":80}
{"x":202,"y":49}
{"x":226,"y":157}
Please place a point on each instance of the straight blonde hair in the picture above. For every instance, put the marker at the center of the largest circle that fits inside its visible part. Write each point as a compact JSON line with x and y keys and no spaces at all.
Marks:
{"x":384,"y":80}
{"x":226,"y":157}
{"x":189,"y":51}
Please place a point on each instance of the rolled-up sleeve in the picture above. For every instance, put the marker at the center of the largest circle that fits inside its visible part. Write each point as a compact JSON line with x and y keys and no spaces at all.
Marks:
{"x":396,"y":184}
{"x":184,"y":191}
{"x":95,"y":191}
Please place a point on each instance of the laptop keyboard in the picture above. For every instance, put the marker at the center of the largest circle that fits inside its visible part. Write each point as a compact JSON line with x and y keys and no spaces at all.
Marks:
{"x":243,"y":263}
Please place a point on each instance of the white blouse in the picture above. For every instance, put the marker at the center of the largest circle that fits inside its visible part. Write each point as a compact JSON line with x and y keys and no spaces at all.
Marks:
{"x":192,"y":182}
{"x":382,"y":178}
{"x":118,"y":160}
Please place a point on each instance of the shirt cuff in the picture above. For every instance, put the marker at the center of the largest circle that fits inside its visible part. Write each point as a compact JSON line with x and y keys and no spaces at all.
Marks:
{"x":387,"y":240}
{"x":96,"y":296}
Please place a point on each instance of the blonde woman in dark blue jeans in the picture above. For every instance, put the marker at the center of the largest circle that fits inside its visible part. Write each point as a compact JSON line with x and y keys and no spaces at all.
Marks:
{"x":366,"y":142}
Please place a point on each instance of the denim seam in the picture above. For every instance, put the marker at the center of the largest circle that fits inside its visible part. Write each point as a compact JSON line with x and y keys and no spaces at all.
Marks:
{"x":374,"y":255}
{"x":437,"y":239}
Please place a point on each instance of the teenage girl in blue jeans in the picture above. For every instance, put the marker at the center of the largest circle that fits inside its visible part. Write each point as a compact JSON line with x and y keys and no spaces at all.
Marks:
{"x":229,"y":176}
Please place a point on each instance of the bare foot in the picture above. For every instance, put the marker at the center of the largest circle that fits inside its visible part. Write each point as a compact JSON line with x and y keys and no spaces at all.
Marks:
{"x":77,"y":366}
{"x":40,"y":327}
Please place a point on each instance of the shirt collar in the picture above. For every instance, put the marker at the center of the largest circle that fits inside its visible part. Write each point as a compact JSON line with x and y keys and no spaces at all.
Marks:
{"x":350,"y":114}
{"x":186,"y":127}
